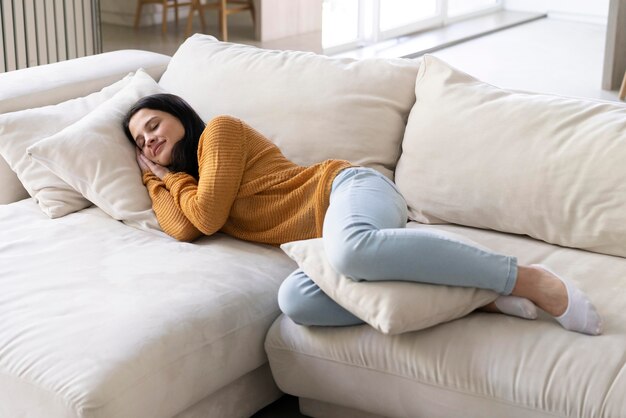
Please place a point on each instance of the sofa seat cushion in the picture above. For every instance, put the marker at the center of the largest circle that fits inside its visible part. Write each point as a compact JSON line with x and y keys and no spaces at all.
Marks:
{"x":482,"y":365}
{"x":98,"y":319}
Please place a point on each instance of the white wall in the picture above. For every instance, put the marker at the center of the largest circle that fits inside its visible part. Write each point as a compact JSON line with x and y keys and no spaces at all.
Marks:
{"x":593,"y":11}
{"x":282,"y":18}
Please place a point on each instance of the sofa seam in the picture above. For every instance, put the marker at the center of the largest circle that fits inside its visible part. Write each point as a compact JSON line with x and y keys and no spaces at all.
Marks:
{"x":421,"y":381}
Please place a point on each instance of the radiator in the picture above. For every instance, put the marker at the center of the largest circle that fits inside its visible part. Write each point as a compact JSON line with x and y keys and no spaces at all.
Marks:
{"x":36,"y":32}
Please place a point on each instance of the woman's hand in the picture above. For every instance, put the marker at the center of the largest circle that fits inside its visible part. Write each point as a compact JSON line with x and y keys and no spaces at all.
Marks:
{"x":148,"y":166}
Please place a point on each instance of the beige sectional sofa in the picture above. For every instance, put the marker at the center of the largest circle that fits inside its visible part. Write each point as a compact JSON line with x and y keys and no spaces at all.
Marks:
{"x":104,"y":317}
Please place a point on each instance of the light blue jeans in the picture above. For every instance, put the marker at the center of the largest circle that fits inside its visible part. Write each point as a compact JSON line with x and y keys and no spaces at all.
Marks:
{"x":365,"y":238}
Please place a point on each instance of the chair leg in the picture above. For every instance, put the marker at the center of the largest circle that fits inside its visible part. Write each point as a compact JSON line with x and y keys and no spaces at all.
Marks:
{"x":192,"y":10}
{"x":622,"y":91}
{"x":223,"y":22}
{"x":138,"y":13}
{"x":176,"y":13}
{"x":195,"y":6}
{"x":202,"y":21}
{"x":253,"y":12}
{"x":165,"y":16}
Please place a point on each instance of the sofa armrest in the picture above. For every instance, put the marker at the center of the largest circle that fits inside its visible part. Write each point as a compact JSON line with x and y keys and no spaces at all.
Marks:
{"x":55,"y":83}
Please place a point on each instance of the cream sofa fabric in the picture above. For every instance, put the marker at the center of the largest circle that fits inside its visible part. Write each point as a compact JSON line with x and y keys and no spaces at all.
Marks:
{"x":483,"y":365}
{"x":546,"y":166}
{"x":101,"y":320}
{"x":313,"y":107}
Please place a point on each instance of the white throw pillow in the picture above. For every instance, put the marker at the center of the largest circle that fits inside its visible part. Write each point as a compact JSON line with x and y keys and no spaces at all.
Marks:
{"x":313,"y":107}
{"x":541,"y":165}
{"x":21,"y":129}
{"x":391,"y":307}
{"x":95,"y":157}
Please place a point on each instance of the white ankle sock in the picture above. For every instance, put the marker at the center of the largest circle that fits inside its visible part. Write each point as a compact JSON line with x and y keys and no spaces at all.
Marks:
{"x":516,"y":306}
{"x":580,"y":314}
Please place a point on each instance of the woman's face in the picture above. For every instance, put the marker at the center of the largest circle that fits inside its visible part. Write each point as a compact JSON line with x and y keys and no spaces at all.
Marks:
{"x":155,"y":133}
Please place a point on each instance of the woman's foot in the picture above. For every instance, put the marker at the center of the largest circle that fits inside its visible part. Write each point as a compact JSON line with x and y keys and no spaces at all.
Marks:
{"x":513,"y":306}
{"x":560,"y":298}
{"x":516,"y":306}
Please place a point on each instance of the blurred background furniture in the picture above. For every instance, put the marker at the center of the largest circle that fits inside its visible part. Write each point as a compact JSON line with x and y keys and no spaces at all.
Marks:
{"x":37,"y":33}
{"x":615,"y":47}
{"x":225,"y":8}
{"x":166,"y":5}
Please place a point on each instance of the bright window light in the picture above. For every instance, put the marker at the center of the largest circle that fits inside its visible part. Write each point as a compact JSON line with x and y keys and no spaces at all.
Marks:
{"x":340,"y":22}
{"x":461,"y":7}
{"x":397,"y":13}
{"x":347,"y":24}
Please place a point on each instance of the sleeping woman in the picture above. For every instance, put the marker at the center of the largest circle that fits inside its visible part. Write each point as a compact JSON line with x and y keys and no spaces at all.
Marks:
{"x":225,"y":176}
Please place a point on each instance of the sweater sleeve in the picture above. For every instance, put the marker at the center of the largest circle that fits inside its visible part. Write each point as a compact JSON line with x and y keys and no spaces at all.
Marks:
{"x":221,"y":163}
{"x":170,"y":217}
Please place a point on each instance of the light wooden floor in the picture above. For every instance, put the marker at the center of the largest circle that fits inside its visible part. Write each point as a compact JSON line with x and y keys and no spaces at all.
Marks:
{"x":545,"y":55}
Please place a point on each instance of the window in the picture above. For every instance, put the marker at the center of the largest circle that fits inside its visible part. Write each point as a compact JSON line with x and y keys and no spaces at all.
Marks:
{"x":348,"y":24}
{"x":464,"y":7}
{"x":396,"y":14}
{"x":340,"y":22}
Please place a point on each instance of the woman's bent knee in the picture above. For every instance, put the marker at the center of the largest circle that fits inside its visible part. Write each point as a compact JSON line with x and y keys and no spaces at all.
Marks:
{"x":350,"y":257}
{"x":306,"y":304}
{"x":290,"y":296}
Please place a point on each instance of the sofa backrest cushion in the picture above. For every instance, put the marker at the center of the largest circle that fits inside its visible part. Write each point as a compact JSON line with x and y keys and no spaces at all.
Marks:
{"x":546,"y":166}
{"x":313,"y":107}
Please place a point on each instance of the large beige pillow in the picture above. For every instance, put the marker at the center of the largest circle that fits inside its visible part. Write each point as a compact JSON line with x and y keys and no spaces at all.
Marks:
{"x":313,"y":107}
{"x":391,"y":307}
{"x":94,"y":157}
{"x":550,"y":167}
{"x":19,"y":130}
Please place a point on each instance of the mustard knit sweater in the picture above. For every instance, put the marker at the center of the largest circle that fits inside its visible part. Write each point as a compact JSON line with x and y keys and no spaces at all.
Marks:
{"x":247,"y":189}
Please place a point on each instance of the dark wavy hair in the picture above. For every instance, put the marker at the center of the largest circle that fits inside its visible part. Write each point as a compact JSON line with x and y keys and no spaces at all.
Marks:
{"x":185,"y":152}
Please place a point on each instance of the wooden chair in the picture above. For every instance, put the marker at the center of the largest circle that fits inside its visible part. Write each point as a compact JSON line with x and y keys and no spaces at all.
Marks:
{"x":224,"y":10}
{"x":622,"y":91}
{"x":166,"y":5}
